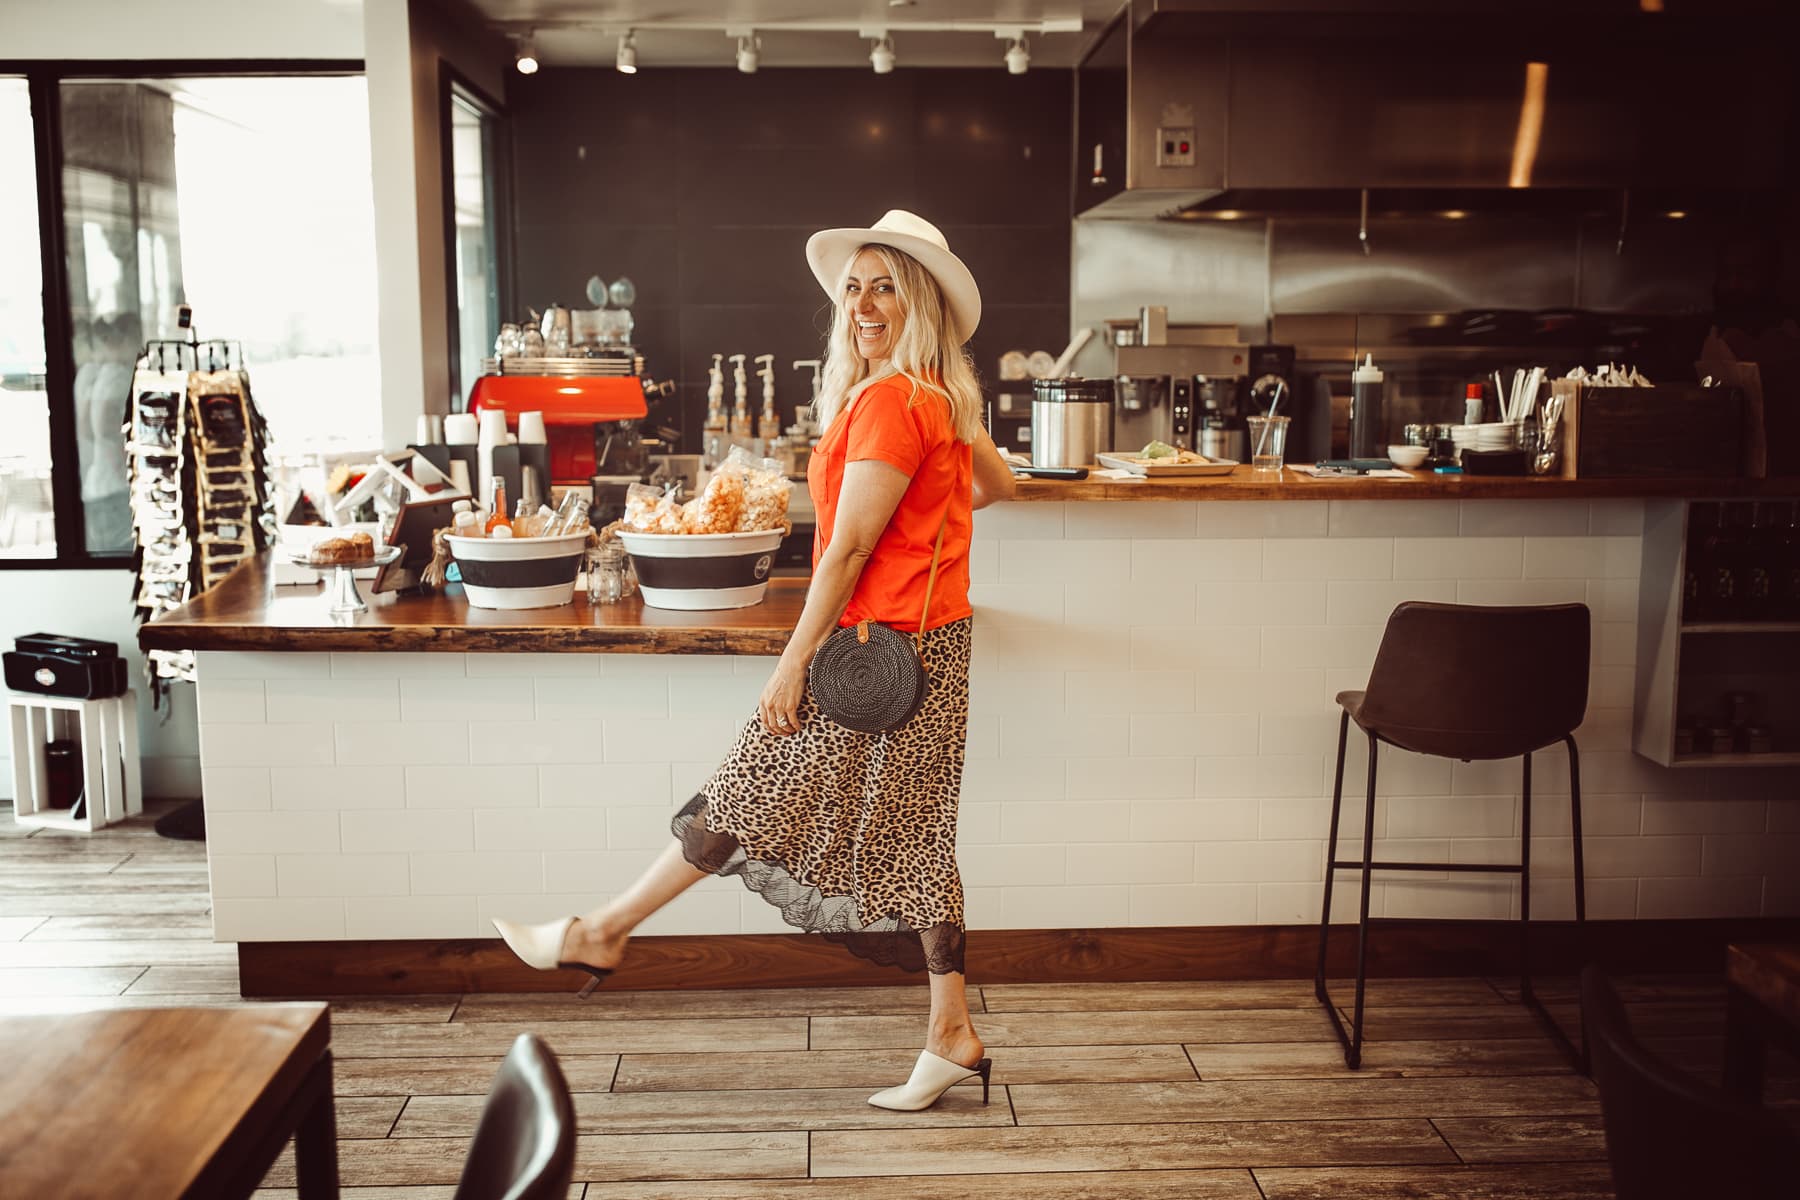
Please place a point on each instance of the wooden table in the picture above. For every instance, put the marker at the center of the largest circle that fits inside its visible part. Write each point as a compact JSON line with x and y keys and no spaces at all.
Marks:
{"x":152,"y":1103}
{"x":1762,"y":1004}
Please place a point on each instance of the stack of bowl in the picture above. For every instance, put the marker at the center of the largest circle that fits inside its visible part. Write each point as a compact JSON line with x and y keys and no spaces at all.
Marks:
{"x":1497,"y":435}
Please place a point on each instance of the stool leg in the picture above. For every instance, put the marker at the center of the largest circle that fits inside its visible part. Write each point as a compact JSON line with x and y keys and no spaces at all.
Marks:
{"x":1575,"y":830}
{"x":1525,"y":881}
{"x":1362,"y":927}
{"x":1584,"y":1062}
{"x":1331,"y":847}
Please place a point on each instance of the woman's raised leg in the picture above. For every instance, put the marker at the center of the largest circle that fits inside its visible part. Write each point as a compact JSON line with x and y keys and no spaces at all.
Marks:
{"x":598,"y":938}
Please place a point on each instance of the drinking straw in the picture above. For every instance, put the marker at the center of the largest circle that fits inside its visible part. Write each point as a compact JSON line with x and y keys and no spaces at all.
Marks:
{"x":1269,"y":424}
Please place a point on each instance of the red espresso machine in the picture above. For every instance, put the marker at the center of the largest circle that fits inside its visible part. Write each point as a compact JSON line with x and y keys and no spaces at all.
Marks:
{"x":593,"y":419}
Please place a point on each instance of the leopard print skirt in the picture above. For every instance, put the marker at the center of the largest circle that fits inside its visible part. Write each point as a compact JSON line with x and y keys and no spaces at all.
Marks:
{"x":851,"y":835}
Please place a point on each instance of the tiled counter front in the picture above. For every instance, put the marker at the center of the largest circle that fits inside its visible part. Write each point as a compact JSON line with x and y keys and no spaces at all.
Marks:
{"x":1150,"y":744}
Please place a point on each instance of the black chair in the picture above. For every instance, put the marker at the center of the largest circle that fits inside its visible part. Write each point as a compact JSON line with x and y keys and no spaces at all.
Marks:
{"x":1667,"y":1136}
{"x":524,"y":1147}
{"x":1467,"y":682}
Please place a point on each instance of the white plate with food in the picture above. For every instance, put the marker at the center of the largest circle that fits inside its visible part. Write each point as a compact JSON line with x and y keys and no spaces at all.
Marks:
{"x":1179,"y":464}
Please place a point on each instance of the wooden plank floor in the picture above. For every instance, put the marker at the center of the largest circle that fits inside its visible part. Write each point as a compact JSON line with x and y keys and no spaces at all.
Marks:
{"x":1221,"y":1091}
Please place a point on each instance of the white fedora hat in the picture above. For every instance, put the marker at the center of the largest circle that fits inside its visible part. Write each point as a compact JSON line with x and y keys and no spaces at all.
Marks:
{"x":829,"y":251}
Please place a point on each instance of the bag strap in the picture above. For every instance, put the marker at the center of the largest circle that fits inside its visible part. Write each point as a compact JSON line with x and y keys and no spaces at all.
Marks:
{"x":919,"y":637}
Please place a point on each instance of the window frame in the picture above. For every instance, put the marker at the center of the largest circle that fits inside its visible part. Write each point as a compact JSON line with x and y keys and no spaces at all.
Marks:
{"x":44,"y":79}
{"x":498,"y":194}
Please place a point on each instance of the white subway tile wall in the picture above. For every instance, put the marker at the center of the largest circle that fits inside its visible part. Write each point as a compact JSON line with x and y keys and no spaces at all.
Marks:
{"x":1151,"y":742}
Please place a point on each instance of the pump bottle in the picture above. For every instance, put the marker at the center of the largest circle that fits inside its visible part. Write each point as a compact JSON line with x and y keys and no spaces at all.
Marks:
{"x":768,"y":424}
{"x":740,"y":400}
{"x":713,"y":443}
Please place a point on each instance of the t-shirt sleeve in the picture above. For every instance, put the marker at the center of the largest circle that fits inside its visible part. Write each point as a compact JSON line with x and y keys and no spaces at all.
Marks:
{"x":883,"y":427}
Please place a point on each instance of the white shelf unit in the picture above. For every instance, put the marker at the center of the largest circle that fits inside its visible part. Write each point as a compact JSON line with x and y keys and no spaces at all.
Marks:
{"x":1688,"y":668}
{"x":111,"y":778}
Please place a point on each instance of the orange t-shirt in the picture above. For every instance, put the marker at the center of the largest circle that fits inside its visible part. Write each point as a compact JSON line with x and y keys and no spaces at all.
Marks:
{"x":911,"y":430}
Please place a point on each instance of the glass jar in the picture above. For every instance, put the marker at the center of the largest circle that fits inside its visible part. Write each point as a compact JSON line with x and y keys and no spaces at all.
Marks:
{"x":507,"y":345}
{"x":607,"y":568}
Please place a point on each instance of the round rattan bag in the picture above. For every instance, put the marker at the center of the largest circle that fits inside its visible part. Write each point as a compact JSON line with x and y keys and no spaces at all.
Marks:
{"x":868,"y":677}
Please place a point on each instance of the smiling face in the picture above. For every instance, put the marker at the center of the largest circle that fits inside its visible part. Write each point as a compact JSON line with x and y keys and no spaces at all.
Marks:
{"x":872,"y":303}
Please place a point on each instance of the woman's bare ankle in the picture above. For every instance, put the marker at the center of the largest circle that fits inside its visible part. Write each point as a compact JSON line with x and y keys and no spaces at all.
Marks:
{"x":596,"y":940}
{"x":958,"y":1043}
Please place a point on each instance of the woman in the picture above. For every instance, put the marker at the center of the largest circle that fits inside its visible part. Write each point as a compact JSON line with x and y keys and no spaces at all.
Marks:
{"x":854,"y":835}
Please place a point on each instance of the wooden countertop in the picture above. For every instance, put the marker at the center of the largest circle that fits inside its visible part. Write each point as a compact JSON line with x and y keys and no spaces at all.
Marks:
{"x":1246,"y":484}
{"x":246,"y":612}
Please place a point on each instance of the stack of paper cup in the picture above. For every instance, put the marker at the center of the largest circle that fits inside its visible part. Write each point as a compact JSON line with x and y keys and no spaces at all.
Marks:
{"x":493,"y":433}
{"x":531,"y":429}
{"x":460,"y":430}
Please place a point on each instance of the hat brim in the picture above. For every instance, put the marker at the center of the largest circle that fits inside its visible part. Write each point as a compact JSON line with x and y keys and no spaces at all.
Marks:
{"x":829,"y":251}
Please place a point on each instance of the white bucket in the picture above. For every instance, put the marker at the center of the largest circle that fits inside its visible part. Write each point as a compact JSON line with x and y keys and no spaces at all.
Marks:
{"x":532,"y":572}
{"x":699,"y":571}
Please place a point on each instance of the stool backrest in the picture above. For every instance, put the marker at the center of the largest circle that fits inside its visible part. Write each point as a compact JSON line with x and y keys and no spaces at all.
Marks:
{"x":1666,"y":1135}
{"x":524,"y":1147}
{"x":1478,"y":681}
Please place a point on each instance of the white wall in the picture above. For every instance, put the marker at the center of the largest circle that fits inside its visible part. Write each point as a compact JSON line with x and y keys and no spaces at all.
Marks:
{"x":97,"y":604}
{"x":146,"y":29}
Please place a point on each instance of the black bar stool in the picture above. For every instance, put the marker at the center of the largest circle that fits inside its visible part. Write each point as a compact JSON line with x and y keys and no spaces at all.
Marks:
{"x":1465,"y":681}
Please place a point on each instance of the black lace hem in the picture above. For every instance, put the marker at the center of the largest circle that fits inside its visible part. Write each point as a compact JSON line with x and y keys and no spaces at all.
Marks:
{"x":888,"y":942}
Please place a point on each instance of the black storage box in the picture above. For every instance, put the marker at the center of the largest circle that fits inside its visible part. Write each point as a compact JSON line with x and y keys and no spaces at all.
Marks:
{"x":50,"y":664}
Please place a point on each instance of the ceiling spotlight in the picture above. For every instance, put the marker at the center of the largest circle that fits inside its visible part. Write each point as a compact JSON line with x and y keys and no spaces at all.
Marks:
{"x":627,"y":60}
{"x":881,"y":55}
{"x":1018,"y":56}
{"x":526,"y":58}
{"x":749,"y":54}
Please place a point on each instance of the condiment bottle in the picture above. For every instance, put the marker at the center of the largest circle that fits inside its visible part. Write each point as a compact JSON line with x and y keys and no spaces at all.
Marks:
{"x":499,"y":518}
{"x":1472,"y":404}
{"x":1367,"y":432}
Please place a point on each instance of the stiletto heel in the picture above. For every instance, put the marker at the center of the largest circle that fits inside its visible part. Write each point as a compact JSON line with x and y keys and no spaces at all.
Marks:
{"x":541,"y":946}
{"x":932,"y":1076}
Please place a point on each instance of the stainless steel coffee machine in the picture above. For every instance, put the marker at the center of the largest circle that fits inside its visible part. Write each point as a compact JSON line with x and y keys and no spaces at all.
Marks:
{"x":1164,"y":388}
{"x":1152,"y":408}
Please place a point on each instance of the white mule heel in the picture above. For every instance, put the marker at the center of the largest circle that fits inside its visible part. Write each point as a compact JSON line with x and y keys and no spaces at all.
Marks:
{"x":541,"y":946}
{"x":932,"y":1076}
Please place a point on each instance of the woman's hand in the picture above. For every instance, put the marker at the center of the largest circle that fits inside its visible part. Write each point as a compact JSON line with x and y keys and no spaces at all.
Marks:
{"x":779,"y":706}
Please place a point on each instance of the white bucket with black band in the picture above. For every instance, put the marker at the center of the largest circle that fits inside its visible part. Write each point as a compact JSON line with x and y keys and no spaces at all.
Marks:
{"x":698,"y":571}
{"x":533,"y":572}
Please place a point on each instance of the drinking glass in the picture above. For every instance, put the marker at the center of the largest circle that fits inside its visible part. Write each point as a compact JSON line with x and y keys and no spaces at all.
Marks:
{"x":1268,"y":442}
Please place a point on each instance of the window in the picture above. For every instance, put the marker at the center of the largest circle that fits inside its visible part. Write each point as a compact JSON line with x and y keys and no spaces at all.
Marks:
{"x":475,"y":175}
{"x":27,"y":513}
{"x":247,"y":197}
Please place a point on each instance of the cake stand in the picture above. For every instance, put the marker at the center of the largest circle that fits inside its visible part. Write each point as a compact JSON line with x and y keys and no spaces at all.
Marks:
{"x":345,"y":598}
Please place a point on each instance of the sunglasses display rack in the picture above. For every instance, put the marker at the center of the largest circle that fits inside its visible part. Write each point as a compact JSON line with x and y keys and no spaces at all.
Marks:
{"x":196,"y":449}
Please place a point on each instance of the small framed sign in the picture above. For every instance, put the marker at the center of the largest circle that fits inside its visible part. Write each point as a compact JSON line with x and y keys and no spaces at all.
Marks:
{"x":413,"y":528}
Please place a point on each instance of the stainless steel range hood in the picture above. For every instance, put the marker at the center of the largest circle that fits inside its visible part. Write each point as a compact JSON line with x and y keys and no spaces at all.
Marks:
{"x":1182,"y":102}
{"x":1130,"y":89}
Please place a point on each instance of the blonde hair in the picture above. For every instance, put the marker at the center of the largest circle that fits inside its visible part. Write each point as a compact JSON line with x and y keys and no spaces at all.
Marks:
{"x":927,"y":352}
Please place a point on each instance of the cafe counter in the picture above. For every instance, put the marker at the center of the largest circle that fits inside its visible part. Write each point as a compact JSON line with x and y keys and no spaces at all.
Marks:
{"x":1150,"y":745}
